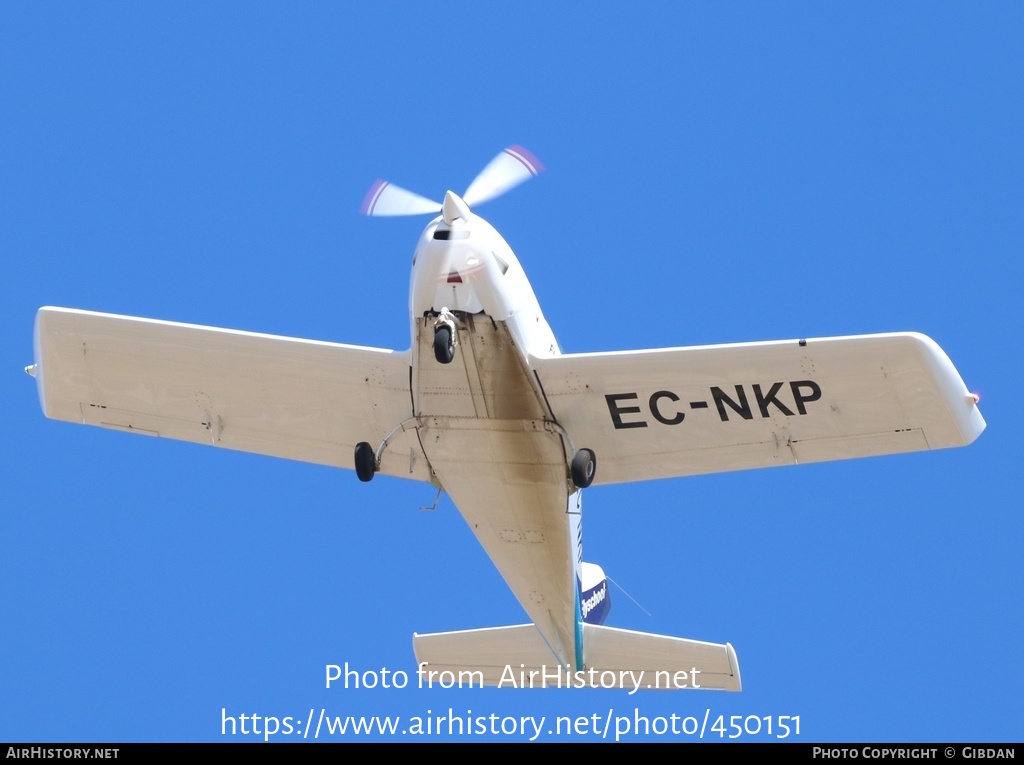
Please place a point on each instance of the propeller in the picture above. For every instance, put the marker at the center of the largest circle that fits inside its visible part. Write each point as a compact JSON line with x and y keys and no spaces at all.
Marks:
{"x":506,"y":171}
{"x":385,"y":198}
{"x":503,"y":173}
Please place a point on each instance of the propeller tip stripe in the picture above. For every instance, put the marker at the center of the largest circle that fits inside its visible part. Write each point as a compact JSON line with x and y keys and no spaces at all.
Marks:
{"x":524,"y":155}
{"x":372,"y":196}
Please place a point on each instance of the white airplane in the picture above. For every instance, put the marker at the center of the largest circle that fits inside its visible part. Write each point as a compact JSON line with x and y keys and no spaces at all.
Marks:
{"x":485,"y":407}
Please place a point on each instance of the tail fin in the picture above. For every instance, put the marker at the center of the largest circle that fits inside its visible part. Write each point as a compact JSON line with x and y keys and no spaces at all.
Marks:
{"x":595,"y":599}
{"x":511,"y":657}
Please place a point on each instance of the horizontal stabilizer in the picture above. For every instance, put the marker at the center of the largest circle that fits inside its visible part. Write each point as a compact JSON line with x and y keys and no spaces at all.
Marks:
{"x":516,"y":657}
{"x":663,"y":660}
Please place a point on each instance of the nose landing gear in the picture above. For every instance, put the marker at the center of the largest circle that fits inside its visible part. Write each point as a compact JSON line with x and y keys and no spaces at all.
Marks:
{"x":445,"y":337}
{"x":444,"y":344}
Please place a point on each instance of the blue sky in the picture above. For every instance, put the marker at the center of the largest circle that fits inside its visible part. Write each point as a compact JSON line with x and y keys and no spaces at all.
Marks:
{"x":715,"y":174}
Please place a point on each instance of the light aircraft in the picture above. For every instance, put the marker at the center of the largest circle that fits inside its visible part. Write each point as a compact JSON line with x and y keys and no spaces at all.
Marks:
{"x":485,"y":407}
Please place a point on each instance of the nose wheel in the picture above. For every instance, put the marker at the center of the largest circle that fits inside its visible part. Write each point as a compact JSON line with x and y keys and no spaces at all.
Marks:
{"x":444,"y":344}
{"x":445,"y":338}
{"x":583,"y":468}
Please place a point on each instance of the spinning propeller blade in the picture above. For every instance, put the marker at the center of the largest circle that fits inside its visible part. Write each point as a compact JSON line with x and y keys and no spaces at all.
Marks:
{"x":506,"y":171}
{"x":385,"y":198}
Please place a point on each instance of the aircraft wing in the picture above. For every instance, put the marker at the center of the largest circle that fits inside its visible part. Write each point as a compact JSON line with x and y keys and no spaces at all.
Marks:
{"x":687,"y":411}
{"x":300,"y":399}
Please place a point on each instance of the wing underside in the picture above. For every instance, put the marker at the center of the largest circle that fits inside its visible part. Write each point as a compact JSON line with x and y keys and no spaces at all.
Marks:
{"x":299,"y":399}
{"x":688,"y":411}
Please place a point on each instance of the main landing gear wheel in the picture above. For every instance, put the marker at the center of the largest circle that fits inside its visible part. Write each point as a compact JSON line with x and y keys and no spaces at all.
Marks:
{"x":584,"y":467}
{"x":444,"y":344}
{"x":366,"y":462}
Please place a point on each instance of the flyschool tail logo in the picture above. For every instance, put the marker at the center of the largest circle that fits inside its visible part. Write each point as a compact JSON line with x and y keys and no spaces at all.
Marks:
{"x":596,"y":602}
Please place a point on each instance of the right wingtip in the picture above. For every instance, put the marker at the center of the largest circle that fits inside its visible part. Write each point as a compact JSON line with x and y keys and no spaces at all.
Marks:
{"x":734,"y":664}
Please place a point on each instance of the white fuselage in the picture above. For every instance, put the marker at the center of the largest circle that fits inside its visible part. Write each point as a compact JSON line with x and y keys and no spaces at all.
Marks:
{"x":485,"y":426}
{"x":473,"y":270}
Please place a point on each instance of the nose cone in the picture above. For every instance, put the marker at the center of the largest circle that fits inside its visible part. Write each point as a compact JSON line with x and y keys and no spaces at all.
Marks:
{"x":454,"y":208}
